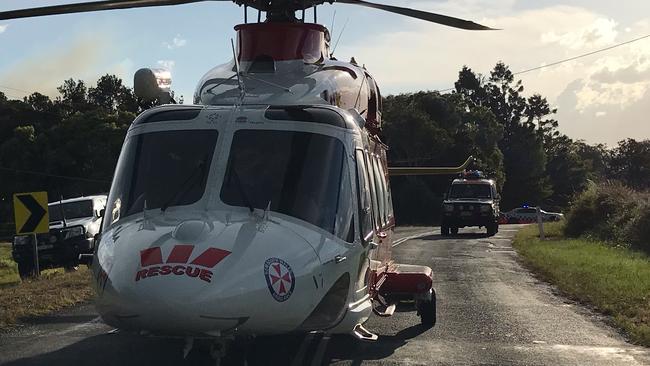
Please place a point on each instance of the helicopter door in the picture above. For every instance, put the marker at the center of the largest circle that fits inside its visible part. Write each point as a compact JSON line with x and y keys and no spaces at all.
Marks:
{"x":366,"y":222}
{"x":364,"y":199}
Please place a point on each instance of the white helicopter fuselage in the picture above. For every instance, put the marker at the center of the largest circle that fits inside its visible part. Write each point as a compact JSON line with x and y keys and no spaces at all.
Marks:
{"x":213,"y":269}
{"x":265,"y":208}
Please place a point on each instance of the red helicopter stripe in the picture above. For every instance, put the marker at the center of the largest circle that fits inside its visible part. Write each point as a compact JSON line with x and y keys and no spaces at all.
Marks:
{"x":180,"y":254}
{"x":210,"y":257}
{"x":150,"y":257}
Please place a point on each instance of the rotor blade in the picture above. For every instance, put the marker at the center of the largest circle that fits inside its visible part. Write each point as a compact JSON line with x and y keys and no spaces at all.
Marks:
{"x":419,"y":14}
{"x":90,"y":6}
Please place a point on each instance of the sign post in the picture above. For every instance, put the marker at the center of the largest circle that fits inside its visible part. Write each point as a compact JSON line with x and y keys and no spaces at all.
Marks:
{"x":540,"y":223}
{"x":32,"y":217}
{"x":37,"y":268}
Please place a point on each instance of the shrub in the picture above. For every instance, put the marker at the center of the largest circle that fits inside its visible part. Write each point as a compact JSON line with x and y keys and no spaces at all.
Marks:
{"x":637,"y":230}
{"x":602,"y":211}
{"x":611,"y":212}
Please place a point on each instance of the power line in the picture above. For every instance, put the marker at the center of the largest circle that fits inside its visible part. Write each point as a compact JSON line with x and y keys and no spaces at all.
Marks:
{"x":14,"y":89}
{"x":583,"y":55}
{"x":54,"y":175}
{"x":12,"y":96}
{"x":571,"y":58}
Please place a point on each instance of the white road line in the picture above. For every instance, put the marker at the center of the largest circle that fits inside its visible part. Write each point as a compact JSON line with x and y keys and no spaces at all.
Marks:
{"x":320,"y":351}
{"x":416,"y":236}
{"x":78,"y":327}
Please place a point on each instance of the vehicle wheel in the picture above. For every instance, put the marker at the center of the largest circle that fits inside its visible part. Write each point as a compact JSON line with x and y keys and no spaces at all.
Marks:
{"x":492,"y":229}
{"x":444,"y":230}
{"x":201,"y":354}
{"x":427,"y":311}
{"x":199,"y":357}
{"x":71,"y":267}
{"x":25,"y":270}
{"x":454,"y":231}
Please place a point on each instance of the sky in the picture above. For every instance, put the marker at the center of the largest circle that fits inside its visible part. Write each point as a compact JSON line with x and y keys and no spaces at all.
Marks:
{"x":602,"y":98}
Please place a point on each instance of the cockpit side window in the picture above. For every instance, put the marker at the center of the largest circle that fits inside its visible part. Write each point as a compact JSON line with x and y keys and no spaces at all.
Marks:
{"x":344,"y":227}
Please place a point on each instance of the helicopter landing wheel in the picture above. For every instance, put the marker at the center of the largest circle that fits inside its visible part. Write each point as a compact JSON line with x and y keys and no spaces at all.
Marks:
{"x":205,"y":352}
{"x":426,"y":308}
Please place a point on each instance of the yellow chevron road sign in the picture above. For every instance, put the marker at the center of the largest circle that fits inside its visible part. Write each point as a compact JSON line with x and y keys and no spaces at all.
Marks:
{"x":30,"y":210}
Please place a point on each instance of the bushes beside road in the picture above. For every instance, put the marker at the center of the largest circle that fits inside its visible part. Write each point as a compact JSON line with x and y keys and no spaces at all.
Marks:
{"x":613,"y":213}
{"x":614,"y":280}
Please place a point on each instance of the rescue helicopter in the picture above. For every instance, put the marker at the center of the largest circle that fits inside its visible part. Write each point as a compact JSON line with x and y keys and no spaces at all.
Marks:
{"x":265,"y":207}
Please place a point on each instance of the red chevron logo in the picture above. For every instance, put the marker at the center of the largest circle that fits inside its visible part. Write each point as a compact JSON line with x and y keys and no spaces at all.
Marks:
{"x":152,"y":259}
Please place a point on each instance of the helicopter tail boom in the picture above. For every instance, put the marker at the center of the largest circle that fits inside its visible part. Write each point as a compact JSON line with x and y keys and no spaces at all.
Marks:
{"x":419,"y":170}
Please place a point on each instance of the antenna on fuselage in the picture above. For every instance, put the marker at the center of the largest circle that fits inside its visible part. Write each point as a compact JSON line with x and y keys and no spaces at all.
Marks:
{"x":240,"y":81}
{"x":339,"y":38}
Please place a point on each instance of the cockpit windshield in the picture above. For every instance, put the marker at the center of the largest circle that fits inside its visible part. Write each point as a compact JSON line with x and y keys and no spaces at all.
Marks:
{"x":160,"y":169}
{"x":470,"y":191}
{"x":300,"y":174}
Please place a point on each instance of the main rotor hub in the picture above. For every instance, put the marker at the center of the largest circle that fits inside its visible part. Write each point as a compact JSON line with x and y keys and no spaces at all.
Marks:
{"x":281,"y":5}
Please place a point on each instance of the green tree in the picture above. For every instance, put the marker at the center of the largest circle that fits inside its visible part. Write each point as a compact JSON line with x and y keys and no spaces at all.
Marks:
{"x":111,"y":95}
{"x":74,"y":96}
{"x":568,"y":171}
{"x":524,"y":158}
{"x":630,"y":163}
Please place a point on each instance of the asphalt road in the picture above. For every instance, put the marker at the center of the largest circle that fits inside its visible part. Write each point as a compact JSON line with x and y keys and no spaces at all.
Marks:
{"x":491,"y":311}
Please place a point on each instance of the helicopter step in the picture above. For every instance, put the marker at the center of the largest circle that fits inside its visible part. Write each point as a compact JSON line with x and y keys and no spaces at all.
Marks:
{"x":382,"y":308}
{"x":363,"y":334}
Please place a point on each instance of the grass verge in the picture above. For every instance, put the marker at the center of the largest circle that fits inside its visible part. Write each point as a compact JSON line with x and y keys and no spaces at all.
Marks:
{"x":616,"y":281}
{"x":8,"y":268}
{"x":53,"y":291}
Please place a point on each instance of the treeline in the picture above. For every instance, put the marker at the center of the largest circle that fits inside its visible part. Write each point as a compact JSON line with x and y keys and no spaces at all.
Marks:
{"x":514,"y":139}
{"x":69,"y":145}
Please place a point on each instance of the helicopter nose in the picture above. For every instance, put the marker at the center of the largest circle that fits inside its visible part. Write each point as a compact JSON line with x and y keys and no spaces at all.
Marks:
{"x":231,"y":280}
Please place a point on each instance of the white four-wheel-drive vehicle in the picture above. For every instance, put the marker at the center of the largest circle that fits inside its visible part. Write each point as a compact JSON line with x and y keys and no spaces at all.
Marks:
{"x":525,"y":214}
{"x":73,"y":225}
{"x":472,"y":200}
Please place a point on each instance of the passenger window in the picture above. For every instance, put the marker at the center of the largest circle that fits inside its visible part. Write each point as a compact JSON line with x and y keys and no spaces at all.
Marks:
{"x":363,"y":195}
{"x":373,"y":190}
{"x":390,"y":204}
{"x":381,"y":192}
{"x":384,"y":182}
